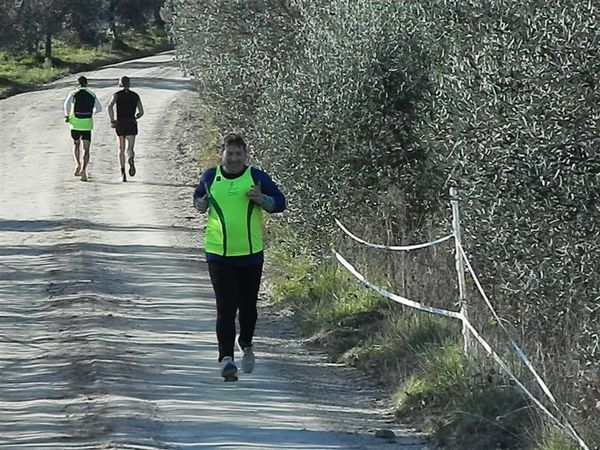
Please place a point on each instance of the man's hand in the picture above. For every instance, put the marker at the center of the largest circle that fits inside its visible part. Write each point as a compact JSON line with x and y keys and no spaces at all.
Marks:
{"x":201,"y":204}
{"x":255,"y":194}
{"x":66,"y":119}
{"x":113,"y":124}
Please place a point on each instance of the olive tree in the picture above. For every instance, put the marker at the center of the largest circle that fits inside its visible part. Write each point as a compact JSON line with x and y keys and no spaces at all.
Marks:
{"x":516,"y":117}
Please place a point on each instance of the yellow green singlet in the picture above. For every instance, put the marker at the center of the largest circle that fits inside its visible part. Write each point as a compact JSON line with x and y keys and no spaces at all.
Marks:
{"x":85,"y":99}
{"x":233,"y":226}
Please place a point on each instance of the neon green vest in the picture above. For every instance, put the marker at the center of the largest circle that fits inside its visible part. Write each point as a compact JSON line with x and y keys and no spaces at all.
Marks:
{"x":81,"y":124}
{"x":233,"y":226}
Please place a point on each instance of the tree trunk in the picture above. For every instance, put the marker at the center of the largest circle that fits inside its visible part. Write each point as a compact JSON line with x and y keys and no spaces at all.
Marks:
{"x":158,"y":21}
{"x":48,"y":47}
{"x":117,"y":43}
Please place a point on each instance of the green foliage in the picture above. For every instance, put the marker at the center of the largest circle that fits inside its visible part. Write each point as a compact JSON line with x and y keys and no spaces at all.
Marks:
{"x":65,"y":53}
{"x":290,"y":274}
{"x":442,"y":375}
{"x":464,"y":401}
{"x":403,"y":335}
{"x":18,"y":72}
{"x":229,"y":46}
{"x":143,"y":40}
{"x":517,"y":117}
{"x":558,"y":442}
{"x":24,"y":71}
{"x":325,"y":296}
{"x":29,"y":24}
{"x":344,"y":103}
{"x":324,"y":293}
{"x":399,"y":343}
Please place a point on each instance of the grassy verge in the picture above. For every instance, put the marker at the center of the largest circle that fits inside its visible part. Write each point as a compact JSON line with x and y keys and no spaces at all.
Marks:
{"x":325,"y":295}
{"x":465,"y":403}
{"x":19,"y":73}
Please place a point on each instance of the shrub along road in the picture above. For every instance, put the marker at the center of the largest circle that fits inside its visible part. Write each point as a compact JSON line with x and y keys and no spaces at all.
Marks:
{"x":106,"y":310}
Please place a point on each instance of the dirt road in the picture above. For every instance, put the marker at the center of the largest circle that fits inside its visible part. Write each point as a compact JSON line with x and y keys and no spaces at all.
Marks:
{"x":106,"y":311}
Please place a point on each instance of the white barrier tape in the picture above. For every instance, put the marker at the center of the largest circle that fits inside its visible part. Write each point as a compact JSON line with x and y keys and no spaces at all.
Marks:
{"x":518,"y":349}
{"x":472,"y":330}
{"x":394,"y":297}
{"x":392,"y":247}
{"x":520,"y":352}
{"x":504,"y":367}
{"x":576,"y":436}
{"x":533,"y":398}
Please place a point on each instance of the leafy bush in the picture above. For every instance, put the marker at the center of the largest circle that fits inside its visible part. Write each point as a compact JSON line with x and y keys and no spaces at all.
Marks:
{"x":516,"y":116}
{"x":229,"y":47}
{"x":344,"y":103}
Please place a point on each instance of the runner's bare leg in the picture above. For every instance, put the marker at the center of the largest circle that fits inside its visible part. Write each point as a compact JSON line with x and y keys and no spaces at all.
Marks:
{"x":121,"y":151}
{"x":131,"y":153}
{"x":130,"y":146}
{"x":86,"y":159}
{"x":77,"y":156}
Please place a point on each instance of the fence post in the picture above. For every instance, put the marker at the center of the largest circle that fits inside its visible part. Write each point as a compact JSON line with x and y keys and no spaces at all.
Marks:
{"x":460,"y":270}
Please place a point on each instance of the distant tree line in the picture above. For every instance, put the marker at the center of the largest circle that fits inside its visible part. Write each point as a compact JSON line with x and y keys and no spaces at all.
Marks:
{"x":371,"y":109}
{"x":30,"y":25}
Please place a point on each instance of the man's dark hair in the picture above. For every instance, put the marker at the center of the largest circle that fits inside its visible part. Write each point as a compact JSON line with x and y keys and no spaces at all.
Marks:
{"x":124,"y":81}
{"x":82,"y":81}
{"x":234,"y":139}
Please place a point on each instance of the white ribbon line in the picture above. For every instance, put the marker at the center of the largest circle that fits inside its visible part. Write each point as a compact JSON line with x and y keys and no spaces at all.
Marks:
{"x":394,"y":297}
{"x":473,"y":331}
{"x":392,"y":247}
{"x":504,"y":367}
{"x":520,"y":352}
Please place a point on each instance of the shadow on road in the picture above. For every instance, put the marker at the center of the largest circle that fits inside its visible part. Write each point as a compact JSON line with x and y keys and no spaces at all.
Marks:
{"x":157,"y":83}
{"x":39,"y":226}
{"x":136,"y":65}
{"x":102,"y":323}
{"x":114,"y":347}
{"x":149,"y":183}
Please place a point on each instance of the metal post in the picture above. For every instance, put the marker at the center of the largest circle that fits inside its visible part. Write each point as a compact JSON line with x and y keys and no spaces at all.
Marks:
{"x":460,"y":270}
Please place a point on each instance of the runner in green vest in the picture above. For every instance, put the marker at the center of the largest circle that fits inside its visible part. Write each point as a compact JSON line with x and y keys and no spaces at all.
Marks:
{"x":79,"y":108}
{"x":235,"y":194}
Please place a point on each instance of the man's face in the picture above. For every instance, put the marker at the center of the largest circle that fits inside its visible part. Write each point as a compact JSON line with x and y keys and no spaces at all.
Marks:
{"x":233,"y":158}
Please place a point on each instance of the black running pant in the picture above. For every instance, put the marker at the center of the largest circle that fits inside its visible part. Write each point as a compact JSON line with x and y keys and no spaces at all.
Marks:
{"x":236,"y":289}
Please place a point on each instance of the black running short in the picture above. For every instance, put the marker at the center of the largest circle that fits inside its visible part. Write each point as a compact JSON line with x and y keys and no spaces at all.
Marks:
{"x":126,"y":127}
{"x":80,"y":134}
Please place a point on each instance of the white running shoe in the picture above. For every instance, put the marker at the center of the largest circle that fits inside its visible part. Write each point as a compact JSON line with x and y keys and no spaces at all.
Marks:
{"x":248,"y":359}
{"x":228,"y":369}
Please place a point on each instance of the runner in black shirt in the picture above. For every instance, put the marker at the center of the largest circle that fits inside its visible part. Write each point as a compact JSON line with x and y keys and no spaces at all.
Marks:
{"x":129,"y":109}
